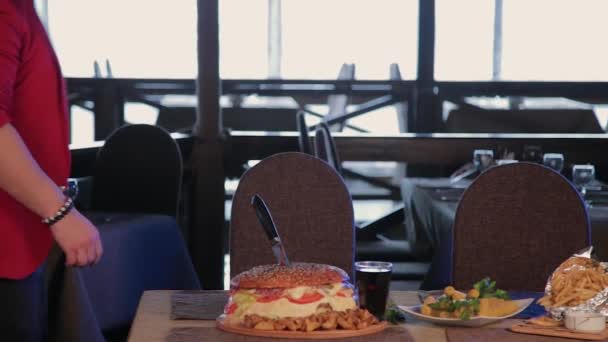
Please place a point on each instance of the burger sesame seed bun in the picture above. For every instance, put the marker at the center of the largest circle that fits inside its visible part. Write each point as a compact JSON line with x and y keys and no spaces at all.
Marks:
{"x":281,"y":276}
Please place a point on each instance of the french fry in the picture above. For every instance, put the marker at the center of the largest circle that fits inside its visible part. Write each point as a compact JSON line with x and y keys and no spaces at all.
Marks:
{"x":574,"y":282}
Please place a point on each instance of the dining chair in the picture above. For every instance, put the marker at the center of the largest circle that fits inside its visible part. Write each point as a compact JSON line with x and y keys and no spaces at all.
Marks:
{"x":138,"y":170}
{"x":303,"y":136}
{"x":325,"y":147}
{"x":516,"y":223}
{"x":310,"y":205}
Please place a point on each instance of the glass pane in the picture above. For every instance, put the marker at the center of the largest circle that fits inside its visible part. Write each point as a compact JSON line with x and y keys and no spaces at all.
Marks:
{"x":555,"y":40}
{"x":141,"y":38}
{"x":464,"y":38}
{"x":243,"y":39}
{"x":319,"y":36}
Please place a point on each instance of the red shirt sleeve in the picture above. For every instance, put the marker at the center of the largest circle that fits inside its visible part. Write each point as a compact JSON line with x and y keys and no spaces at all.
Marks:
{"x":10,"y":47}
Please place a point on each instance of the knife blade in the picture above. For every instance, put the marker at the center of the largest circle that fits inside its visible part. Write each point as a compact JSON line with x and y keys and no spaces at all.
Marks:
{"x":263,"y":214}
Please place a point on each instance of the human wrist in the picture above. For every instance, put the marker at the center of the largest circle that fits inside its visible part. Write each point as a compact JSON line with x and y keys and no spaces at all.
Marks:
{"x":61,"y":213}
{"x":65,"y":207}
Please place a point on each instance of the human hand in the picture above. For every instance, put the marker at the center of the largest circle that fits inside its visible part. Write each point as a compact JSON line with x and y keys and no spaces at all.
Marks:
{"x":78,"y":239}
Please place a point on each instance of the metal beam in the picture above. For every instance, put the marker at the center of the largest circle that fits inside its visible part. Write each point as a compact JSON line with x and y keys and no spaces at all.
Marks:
{"x":108,"y":109}
{"x":315,"y":114}
{"x":275,"y":42}
{"x":427,"y":105}
{"x":206,"y":234}
{"x":425,"y":148}
{"x":434,"y":149}
{"x":497,"y":48}
{"x":362,"y":109}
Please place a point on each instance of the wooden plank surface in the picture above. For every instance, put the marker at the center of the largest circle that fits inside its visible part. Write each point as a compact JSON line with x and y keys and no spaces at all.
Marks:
{"x":559,"y":332}
{"x":152,"y":321}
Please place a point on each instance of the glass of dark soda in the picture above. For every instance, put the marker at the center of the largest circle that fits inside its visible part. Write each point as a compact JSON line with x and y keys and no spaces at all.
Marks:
{"x":373,"y":279}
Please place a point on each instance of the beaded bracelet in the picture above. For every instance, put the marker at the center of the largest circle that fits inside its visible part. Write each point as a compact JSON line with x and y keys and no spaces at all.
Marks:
{"x":71,"y":192}
{"x":64,"y":210}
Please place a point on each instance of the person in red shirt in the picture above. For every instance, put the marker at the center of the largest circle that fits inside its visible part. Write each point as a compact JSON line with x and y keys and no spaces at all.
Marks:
{"x":34,"y":163}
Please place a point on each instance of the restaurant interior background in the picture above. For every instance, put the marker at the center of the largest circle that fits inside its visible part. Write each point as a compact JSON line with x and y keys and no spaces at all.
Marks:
{"x":415,"y":62}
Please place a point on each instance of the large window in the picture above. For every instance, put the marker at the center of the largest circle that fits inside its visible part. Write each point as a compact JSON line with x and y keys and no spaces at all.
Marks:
{"x":541,"y":40}
{"x":464,"y":40}
{"x":140,"y":38}
{"x":318,"y":36}
{"x":243,"y":38}
{"x":555,"y":40}
{"x":157,"y":39}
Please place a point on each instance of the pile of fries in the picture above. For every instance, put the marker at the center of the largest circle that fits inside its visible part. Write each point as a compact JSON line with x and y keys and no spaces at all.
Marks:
{"x":331,"y":320}
{"x":574,"y":282}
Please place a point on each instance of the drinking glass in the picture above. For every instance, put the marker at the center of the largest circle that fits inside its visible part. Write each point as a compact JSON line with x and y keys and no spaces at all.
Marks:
{"x":373,"y":279}
{"x":582,"y":176}
{"x":554,"y":161}
{"x":532,"y":153}
{"x":483,"y":159}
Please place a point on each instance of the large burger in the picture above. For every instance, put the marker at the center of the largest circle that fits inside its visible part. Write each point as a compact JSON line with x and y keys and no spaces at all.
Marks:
{"x":303,"y":296}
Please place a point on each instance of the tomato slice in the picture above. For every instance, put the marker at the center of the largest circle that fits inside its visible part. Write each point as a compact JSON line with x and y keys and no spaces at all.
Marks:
{"x":306,"y":298}
{"x":231,"y":308}
{"x":345,"y":293}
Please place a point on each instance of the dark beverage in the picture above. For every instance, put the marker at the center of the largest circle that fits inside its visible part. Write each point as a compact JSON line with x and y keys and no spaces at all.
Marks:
{"x":373,"y":279}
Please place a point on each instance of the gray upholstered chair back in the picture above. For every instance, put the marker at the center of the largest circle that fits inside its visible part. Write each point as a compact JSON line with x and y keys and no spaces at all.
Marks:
{"x":310,"y":205}
{"x":516,"y":223}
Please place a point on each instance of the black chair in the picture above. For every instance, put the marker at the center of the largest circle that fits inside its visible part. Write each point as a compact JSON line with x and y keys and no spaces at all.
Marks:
{"x":325,"y":147}
{"x":138,"y":170}
{"x":303,"y":138}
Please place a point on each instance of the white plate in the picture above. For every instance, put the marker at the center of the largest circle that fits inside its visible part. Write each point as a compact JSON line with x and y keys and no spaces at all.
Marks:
{"x":473,"y":322}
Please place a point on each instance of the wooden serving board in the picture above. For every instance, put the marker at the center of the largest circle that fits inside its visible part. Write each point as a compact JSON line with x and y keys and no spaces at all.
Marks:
{"x":527,"y":328}
{"x":315,"y":335}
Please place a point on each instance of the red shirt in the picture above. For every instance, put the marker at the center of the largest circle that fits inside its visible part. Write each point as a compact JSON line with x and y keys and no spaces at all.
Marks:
{"x":32,"y":99}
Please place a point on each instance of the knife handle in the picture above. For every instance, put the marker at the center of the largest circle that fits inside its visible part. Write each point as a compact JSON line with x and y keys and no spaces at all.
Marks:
{"x":263,"y":214}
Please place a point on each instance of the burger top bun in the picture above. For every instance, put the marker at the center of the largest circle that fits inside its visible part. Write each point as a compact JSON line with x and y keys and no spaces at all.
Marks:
{"x":281,"y":276}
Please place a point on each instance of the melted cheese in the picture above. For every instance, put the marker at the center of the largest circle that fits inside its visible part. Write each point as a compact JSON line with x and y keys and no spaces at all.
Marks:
{"x":284,"y":308}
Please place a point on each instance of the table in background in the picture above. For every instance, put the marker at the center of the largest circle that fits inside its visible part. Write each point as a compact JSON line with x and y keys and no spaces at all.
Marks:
{"x":139,"y":254}
{"x":431,"y":204}
{"x":153,"y":324}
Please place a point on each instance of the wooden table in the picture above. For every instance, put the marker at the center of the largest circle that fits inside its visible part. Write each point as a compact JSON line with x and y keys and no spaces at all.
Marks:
{"x":152,"y":322}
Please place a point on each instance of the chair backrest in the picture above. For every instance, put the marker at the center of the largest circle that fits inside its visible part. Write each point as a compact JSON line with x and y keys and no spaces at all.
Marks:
{"x":303,"y":137}
{"x":138,"y":170}
{"x":325,"y":147}
{"x":470,"y":120}
{"x":310,"y":205}
{"x":516,"y":223}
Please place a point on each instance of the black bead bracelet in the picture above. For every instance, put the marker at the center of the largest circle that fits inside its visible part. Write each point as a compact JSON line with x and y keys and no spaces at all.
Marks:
{"x":71,"y":192}
{"x":64,"y":210}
